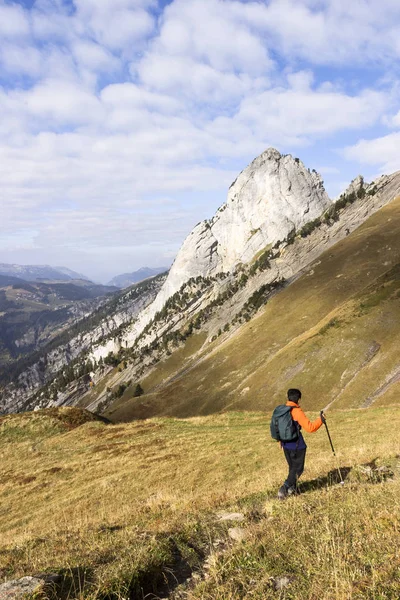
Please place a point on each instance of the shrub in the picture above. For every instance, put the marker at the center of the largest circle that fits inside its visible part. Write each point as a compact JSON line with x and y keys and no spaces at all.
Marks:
{"x":291,"y":237}
{"x":335,"y":322}
{"x":309,"y":227}
{"x":120,"y":390}
{"x":139,"y":391}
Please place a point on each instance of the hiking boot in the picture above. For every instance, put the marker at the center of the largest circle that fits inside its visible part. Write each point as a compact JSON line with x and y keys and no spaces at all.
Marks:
{"x":282,"y":493}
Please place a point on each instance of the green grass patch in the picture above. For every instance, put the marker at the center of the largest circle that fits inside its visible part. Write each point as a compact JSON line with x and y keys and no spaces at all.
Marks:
{"x":335,"y":322}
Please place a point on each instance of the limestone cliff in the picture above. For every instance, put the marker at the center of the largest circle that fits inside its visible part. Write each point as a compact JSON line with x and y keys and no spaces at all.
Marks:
{"x":275,"y":195}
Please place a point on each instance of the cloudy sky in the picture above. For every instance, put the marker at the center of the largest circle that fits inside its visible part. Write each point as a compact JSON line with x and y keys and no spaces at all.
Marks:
{"x":123,"y":122}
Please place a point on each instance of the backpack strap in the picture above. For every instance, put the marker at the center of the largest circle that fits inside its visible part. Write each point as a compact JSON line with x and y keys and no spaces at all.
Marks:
{"x":297,"y":427}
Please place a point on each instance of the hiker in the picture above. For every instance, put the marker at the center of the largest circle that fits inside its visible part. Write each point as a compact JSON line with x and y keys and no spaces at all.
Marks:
{"x":295,"y":450}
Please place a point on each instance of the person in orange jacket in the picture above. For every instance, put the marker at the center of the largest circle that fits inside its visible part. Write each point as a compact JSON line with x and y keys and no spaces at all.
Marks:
{"x":295,"y":452}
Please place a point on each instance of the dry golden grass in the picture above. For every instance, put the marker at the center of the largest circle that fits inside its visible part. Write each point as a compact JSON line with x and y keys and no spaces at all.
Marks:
{"x":119,"y":509}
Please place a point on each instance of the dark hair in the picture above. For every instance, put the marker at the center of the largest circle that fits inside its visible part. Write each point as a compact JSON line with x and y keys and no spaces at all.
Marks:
{"x":294,"y":395}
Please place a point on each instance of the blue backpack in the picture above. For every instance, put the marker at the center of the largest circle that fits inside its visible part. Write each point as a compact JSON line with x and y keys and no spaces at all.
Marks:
{"x":283,"y":427}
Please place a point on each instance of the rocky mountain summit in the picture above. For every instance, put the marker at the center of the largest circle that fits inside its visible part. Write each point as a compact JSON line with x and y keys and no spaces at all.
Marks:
{"x":272,"y":197}
{"x":276,"y":195}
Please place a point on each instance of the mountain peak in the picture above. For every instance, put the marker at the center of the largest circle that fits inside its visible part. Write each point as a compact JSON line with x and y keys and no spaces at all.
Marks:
{"x":271,"y":153}
{"x":40,"y":272}
{"x":274,"y":195}
{"x":126,"y":279}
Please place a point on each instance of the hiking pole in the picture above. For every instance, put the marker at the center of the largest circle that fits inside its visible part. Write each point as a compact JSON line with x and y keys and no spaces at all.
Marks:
{"x":330,"y":441}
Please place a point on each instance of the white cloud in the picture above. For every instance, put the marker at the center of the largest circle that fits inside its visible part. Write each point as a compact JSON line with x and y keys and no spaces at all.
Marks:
{"x":381,"y":152}
{"x":128,"y":96}
{"x":306,"y":112}
{"x":94,"y":57}
{"x":328,"y":32}
{"x":20,"y":59}
{"x":120,"y":109}
{"x":116,"y":23}
{"x":13,"y":21}
{"x":211,"y":32}
{"x":391,"y":120}
{"x":196,"y":81}
{"x":328,"y":170}
{"x":206,"y":52}
{"x":56,"y":103}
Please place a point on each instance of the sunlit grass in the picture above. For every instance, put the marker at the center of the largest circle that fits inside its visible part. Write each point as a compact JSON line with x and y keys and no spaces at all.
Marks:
{"x":121,"y":502}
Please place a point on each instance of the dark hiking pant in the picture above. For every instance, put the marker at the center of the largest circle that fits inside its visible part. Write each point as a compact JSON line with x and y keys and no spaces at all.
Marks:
{"x":295,"y":460}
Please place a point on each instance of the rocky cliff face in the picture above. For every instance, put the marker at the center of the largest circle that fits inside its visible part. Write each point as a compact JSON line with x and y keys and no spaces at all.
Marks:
{"x":274,"y":196}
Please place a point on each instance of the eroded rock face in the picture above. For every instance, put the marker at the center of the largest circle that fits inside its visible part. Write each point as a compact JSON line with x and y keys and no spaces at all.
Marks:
{"x":15,"y":395}
{"x":354,"y":186}
{"x":273,"y":196}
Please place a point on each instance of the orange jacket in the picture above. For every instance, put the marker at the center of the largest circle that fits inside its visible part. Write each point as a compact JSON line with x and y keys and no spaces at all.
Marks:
{"x":299,"y":416}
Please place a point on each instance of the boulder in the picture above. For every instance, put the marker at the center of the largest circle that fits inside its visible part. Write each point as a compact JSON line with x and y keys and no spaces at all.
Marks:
{"x":21,"y":588}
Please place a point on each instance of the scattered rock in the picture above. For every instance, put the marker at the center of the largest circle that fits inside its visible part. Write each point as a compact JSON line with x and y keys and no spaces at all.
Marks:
{"x":20,"y":588}
{"x":231,"y":516}
{"x":280,"y":583}
{"x":238,"y":534}
{"x":371,"y":473}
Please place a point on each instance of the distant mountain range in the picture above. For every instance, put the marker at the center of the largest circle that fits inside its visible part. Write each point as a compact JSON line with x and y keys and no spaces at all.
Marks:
{"x":33,"y":312}
{"x":40,"y":272}
{"x":127,"y":279}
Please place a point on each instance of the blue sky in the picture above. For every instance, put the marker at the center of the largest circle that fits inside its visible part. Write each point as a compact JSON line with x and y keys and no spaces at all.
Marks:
{"x":123,"y":122}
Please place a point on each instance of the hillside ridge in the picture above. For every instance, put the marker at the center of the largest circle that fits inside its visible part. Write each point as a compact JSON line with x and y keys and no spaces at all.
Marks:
{"x":271,"y":344}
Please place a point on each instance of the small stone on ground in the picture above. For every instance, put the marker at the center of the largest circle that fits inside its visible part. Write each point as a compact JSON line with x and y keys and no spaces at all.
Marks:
{"x":237,"y":533}
{"x":281,"y":583}
{"x":224,"y":516}
{"x":20,"y":588}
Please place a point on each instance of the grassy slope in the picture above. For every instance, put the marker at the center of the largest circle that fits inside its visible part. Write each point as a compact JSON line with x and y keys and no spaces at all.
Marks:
{"x":332,"y":333}
{"x":130,"y":506}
